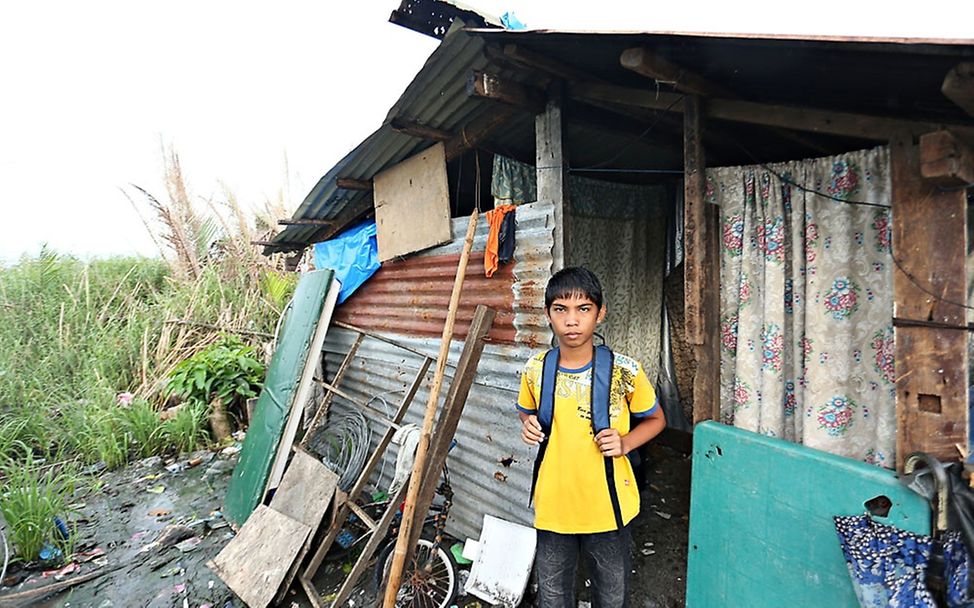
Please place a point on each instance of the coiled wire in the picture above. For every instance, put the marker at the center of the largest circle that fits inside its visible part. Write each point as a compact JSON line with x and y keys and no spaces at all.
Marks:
{"x":344,"y":445}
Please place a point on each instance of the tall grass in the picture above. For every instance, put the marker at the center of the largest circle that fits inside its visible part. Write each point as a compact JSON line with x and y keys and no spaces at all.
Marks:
{"x":74,"y":334}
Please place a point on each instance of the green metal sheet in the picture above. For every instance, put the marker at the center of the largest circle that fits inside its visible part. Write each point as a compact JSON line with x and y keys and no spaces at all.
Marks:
{"x":761,"y":531}
{"x":274,"y":402}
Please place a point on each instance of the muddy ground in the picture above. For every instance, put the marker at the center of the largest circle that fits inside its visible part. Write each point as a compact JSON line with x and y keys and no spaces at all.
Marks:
{"x":119,"y":526}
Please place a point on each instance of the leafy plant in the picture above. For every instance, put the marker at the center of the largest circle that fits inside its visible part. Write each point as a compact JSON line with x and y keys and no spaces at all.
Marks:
{"x":32,"y":497}
{"x":226,"y":370}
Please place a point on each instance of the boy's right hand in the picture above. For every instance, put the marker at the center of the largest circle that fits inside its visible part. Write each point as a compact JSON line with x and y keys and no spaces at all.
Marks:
{"x":531,"y":432}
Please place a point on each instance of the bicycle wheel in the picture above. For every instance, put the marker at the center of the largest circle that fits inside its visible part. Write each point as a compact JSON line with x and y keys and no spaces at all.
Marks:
{"x":426,"y":582}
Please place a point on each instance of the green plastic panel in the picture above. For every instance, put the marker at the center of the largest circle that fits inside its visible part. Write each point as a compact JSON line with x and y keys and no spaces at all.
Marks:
{"x":761,"y":531}
{"x":274,"y":402}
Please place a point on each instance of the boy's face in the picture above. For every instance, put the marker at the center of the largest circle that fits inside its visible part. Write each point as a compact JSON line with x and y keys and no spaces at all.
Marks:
{"x":573,"y":319}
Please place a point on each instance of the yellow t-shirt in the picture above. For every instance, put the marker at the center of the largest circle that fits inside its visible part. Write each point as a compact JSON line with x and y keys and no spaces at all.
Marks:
{"x":572,"y":496}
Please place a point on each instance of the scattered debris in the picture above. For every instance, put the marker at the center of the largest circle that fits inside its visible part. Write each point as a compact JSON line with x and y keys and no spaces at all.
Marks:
{"x":647,"y":551}
{"x":663,"y":515}
{"x":168,"y":537}
{"x":87,"y":556}
{"x":189,"y":544}
{"x":159,"y":489}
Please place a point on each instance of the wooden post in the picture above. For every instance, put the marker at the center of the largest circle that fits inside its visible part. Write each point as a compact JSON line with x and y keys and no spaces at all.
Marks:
{"x":929,"y":284}
{"x":701,"y":267}
{"x":416,"y":478}
{"x":446,"y":427}
{"x":550,"y":163}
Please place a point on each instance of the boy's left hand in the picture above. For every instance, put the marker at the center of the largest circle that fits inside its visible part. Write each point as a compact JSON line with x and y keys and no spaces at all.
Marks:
{"x":610,"y":443}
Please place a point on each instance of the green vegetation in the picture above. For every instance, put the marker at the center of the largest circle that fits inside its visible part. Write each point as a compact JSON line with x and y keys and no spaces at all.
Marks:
{"x":227,"y":370}
{"x":92,"y":351}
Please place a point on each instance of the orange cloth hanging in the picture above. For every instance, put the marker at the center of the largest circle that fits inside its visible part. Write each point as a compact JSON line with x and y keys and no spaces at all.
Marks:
{"x":495,"y":217}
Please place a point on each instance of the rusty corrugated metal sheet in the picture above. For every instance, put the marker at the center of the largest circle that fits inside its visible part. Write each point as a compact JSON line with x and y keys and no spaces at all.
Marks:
{"x":411,"y":296}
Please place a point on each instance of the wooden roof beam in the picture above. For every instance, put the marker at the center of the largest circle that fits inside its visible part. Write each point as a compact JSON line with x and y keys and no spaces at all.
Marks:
{"x":945,"y":160}
{"x":958,"y":86}
{"x":477,"y":131}
{"x":351,"y":183}
{"x":490,"y":86}
{"x":847,"y":124}
{"x":543,"y":63}
{"x":649,"y":64}
{"x":420,"y":131}
{"x":646,"y":63}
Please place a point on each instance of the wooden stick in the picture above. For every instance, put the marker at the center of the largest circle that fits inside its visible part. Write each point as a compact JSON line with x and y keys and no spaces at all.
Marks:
{"x":416,"y":479}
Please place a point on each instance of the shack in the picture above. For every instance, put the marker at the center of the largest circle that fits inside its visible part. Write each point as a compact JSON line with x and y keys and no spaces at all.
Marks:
{"x":780,"y":221}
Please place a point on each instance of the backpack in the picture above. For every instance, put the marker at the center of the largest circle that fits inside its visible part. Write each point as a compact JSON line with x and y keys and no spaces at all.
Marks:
{"x":603,"y":361}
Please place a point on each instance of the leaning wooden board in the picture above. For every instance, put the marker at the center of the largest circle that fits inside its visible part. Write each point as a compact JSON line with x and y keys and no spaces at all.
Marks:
{"x":305,"y":493}
{"x":250,"y":476}
{"x":255,"y":562}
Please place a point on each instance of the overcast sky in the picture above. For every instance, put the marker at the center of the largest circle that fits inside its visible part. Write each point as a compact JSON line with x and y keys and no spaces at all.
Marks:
{"x":266,"y":96}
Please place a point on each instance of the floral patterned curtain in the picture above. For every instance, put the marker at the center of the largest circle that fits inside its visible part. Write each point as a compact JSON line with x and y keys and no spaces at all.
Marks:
{"x":807,"y":302}
{"x":618,"y":231}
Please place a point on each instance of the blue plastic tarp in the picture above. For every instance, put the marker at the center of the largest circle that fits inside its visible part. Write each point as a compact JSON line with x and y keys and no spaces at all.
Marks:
{"x":353,"y":255}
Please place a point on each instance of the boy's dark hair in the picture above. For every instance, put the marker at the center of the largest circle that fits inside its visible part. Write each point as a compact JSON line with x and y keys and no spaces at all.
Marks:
{"x":573,"y":281}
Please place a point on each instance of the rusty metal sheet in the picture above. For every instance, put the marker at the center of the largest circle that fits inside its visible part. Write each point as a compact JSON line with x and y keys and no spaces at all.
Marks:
{"x":411,"y":296}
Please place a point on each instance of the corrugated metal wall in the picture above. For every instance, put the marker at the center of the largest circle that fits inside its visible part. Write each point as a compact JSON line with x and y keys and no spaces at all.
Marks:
{"x":489,"y":430}
{"x":411,"y":296}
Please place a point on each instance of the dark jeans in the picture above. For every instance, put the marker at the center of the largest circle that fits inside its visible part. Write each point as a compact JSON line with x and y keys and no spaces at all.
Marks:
{"x":606,"y":556}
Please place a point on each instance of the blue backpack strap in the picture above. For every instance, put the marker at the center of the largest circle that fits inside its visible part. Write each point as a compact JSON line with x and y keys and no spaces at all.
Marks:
{"x":603,"y":361}
{"x":546,"y":411}
{"x":546,"y":406}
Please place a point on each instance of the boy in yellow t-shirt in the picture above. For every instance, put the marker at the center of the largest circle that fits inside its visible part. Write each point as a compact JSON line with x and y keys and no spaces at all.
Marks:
{"x":578,"y":510}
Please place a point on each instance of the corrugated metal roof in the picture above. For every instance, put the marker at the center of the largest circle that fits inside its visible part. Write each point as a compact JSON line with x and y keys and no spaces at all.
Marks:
{"x":436,"y":98}
{"x":892,"y":77}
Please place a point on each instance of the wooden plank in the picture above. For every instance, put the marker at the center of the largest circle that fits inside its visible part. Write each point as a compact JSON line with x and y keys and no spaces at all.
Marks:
{"x":412,"y":204}
{"x":306,"y":491}
{"x":695,"y":229}
{"x":254,"y":563}
{"x":417,"y":130}
{"x":877,"y":128}
{"x":551,"y":175}
{"x":446,"y":426}
{"x":958,"y":86}
{"x":350,"y":183}
{"x":399,"y":555}
{"x":491,"y":86}
{"x":929,"y":284}
{"x":946,"y":160}
{"x":343,"y":513}
{"x":303,"y":392}
{"x":701,"y":267}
